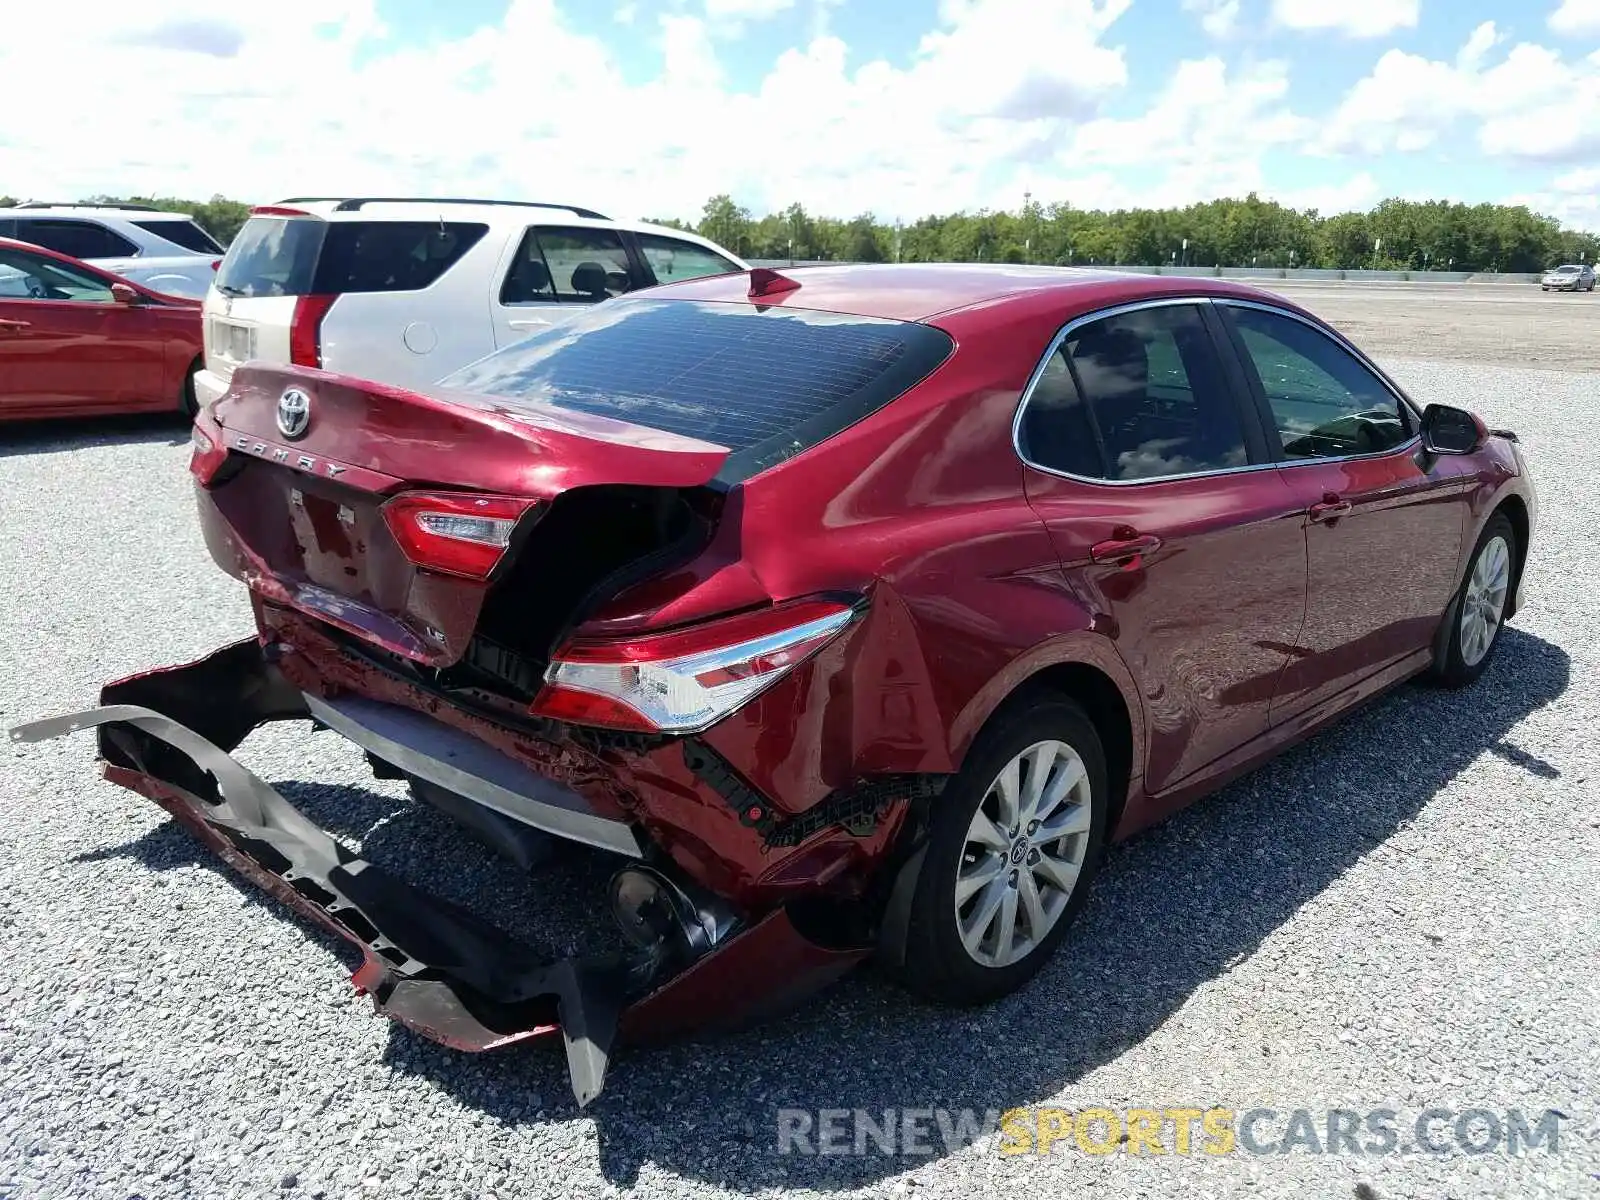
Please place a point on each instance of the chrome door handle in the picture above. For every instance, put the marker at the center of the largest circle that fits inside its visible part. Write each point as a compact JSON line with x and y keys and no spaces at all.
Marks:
{"x":1121,"y":550}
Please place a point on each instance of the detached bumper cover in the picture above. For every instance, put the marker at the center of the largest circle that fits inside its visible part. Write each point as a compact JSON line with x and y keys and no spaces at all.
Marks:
{"x":429,"y":964}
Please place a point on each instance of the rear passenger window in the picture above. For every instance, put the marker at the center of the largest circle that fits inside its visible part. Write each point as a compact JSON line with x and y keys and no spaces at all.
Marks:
{"x":80,"y":239}
{"x":671,"y":259}
{"x":391,"y":256}
{"x":567,"y":266}
{"x":1139,"y":395}
{"x":1324,"y":402}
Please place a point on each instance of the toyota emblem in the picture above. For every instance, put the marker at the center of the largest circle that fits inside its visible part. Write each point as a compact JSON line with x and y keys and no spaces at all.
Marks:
{"x":294,"y":413}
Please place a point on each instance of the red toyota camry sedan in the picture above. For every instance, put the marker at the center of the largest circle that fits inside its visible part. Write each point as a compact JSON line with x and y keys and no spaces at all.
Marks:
{"x":79,"y":341}
{"x":852,"y":610}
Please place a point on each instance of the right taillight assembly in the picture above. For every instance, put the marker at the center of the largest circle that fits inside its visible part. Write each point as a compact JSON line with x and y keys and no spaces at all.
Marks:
{"x":684,"y":681}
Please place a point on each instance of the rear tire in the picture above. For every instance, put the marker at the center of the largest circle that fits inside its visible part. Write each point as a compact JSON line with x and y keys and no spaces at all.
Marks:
{"x":1038,"y":769}
{"x":188,"y":403}
{"x":1477,"y":613}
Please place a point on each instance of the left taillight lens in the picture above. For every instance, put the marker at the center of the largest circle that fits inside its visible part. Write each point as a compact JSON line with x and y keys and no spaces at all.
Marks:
{"x":208,"y":453}
{"x":455,"y":533}
{"x":685,"y":681}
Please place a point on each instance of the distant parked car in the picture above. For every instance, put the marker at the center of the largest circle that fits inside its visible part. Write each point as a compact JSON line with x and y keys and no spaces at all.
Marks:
{"x":165,"y":251}
{"x":1571,"y":277}
{"x":406,"y":291}
{"x":77,"y":340}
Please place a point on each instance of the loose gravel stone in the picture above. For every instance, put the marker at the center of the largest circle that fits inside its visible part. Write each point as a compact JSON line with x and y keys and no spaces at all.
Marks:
{"x":1400,"y":913}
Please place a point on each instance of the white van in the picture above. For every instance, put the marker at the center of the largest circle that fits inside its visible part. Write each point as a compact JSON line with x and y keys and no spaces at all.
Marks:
{"x":406,"y":291}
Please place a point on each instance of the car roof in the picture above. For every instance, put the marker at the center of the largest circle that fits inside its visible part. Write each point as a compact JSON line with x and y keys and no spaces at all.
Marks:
{"x":922,"y":291}
{"x":98,"y":212}
{"x":496,"y":212}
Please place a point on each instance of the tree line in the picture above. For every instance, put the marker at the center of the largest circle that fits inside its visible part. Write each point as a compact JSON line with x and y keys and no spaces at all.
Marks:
{"x":1395,"y":235}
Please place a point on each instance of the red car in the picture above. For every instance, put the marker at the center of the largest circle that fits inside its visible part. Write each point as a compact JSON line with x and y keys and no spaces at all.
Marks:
{"x":79,"y":341}
{"x":854,"y":610}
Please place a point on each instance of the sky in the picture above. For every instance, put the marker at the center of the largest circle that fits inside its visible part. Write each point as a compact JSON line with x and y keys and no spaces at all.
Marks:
{"x":896,"y":107}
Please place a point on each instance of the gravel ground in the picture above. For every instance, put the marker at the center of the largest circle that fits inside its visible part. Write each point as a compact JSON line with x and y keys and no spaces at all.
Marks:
{"x":1400,"y":914}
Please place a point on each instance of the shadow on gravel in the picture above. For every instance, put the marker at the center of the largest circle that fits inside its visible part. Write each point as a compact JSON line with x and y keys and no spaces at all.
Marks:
{"x":1174,"y":908}
{"x":55,"y":435}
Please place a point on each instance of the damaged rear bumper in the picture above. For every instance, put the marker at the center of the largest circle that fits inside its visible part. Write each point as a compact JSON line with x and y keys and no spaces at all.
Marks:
{"x":428,"y":963}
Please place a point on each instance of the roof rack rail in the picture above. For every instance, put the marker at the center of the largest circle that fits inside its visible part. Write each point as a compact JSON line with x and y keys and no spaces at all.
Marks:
{"x":354,"y":203}
{"x":90,"y":204}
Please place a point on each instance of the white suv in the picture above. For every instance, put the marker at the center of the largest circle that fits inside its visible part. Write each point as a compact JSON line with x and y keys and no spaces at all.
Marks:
{"x":406,"y":291}
{"x":165,"y":251}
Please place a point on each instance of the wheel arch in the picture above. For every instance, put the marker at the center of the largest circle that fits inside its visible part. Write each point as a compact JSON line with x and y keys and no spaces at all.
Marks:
{"x":1094,"y":676}
{"x":1515,"y":509}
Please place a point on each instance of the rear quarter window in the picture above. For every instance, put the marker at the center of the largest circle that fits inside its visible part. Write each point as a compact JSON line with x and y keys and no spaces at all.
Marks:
{"x":183,"y":233}
{"x":295,"y":256}
{"x":765,"y":384}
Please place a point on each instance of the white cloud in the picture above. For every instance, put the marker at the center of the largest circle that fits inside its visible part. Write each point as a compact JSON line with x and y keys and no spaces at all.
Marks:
{"x":1202,"y":121}
{"x":1530,"y":105}
{"x":1572,"y":198}
{"x":1576,"y":17}
{"x":1217,"y":17}
{"x":1356,"y":18}
{"x":1484,"y":39}
{"x":746,"y":9}
{"x":1356,"y":194}
{"x":530,"y":107}
{"x":316,"y":97}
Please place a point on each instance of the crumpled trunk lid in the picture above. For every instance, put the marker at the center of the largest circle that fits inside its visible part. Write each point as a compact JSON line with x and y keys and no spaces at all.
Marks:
{"x":300,"y":518}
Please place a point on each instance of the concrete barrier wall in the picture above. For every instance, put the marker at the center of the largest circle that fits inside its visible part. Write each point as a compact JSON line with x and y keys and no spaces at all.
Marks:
{"x":1306,"y":274}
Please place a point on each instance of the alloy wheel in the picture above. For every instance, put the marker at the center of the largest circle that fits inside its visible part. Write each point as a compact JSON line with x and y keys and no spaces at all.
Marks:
{"x":1484,"y":603}
{"x":1023,"y":853}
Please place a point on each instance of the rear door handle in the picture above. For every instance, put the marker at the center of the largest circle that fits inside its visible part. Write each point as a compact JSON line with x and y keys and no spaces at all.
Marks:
{"x":532,"y":323}
{"x":1126,"y":549}
{"x":1331,"y":508}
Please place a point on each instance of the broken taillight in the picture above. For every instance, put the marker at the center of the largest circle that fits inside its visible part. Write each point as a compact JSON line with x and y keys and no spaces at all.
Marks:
{"x":684,"y":681}
{"x":208,"y":452}
{"x":454,"y":533}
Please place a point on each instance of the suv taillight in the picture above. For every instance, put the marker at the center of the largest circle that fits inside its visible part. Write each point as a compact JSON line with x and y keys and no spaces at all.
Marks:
{"x":305,"y":329}
{"x":685,"y":681}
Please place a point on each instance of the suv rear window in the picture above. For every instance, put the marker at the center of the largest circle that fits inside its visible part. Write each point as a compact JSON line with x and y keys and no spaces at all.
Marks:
{"x":766,"y":384}
{"x":295,"y":256}
{"x":185,"y":233}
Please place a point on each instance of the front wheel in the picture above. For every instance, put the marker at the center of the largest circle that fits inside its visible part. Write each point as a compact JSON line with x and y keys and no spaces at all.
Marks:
{"x":1015,"y":842}
{"x":1477,"y":614}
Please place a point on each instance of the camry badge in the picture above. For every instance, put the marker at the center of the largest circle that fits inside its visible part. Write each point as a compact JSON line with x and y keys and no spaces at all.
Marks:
{"x":294,"y":413}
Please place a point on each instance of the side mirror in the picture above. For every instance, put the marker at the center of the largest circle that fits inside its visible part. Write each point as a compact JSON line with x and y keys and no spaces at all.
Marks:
{"x":1447,"y":430}
{"x":122,"y":293}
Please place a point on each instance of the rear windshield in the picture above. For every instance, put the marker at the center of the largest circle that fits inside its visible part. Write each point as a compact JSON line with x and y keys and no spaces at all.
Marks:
{"x":765,"y":383}
{"x":296,"y":256}
{"x":185,"y":233}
